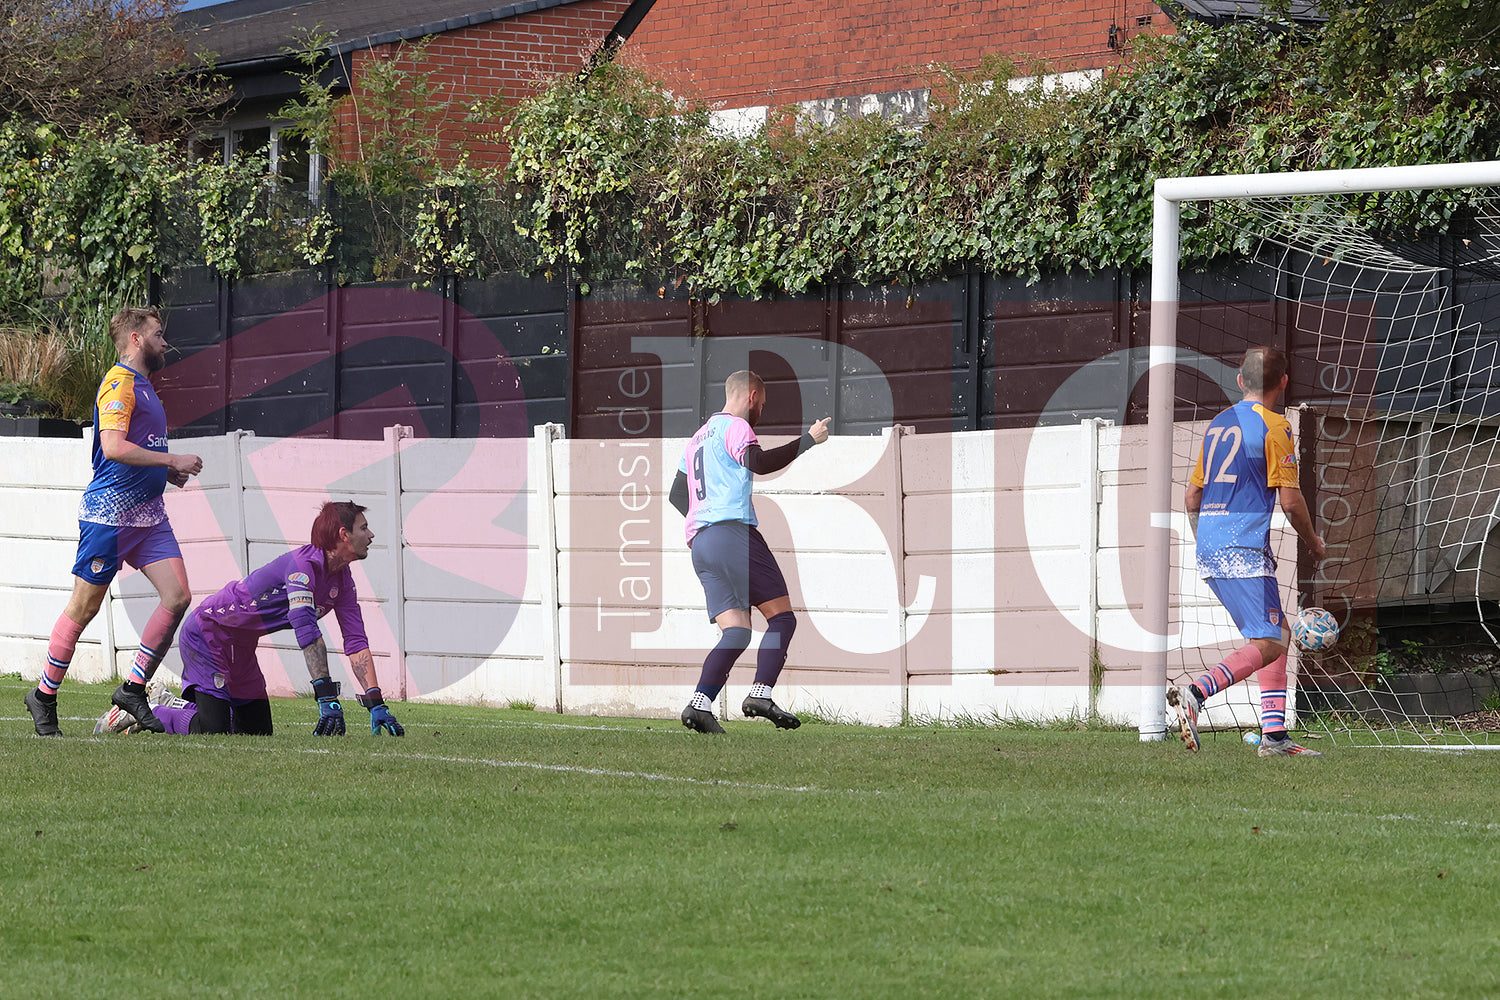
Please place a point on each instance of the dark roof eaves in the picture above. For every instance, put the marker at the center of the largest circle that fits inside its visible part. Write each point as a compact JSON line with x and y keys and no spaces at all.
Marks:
{"x":253,"y":63}
{"x":451,"y":24}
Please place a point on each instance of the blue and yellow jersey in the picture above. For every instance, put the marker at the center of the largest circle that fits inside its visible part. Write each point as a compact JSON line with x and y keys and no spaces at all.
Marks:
{"x":119,"y":494}
{"x":1247,"y":455}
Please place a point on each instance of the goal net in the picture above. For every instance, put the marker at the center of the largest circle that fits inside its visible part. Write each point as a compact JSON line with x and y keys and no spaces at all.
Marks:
{"x":1383,"y":288}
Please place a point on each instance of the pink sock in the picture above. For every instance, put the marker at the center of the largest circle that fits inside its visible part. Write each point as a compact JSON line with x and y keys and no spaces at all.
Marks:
{"x":156,"y":637}
{"x":65,"y":633}
{"x":1272,"y":679}
{"x":1231,"y":670}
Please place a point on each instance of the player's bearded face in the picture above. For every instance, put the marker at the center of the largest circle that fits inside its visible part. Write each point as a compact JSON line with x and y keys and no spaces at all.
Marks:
{"x":154,"y":348}
{"x":757,"y":403}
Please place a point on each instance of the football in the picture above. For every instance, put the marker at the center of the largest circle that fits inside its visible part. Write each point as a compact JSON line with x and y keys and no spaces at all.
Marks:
{"x":1315,"y":630}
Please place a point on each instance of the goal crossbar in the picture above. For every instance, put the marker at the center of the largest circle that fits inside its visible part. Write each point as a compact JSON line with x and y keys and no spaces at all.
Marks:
{"x":1168,"y":196}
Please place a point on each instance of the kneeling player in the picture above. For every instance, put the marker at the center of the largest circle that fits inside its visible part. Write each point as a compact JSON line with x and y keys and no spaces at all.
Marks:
{"x":220,"y":674}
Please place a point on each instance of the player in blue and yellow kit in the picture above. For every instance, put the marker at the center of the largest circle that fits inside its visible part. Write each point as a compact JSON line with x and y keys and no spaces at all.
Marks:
{"x":1247,"y":465}
{"x":122,"y":519}
{"x":732,"y":560}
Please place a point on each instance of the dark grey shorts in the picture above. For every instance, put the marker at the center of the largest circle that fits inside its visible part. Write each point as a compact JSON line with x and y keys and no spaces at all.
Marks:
{"x":736,"y":568}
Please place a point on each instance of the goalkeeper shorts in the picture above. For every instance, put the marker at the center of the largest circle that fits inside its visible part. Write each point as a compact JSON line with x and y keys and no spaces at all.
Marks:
{"x":219,"y":662}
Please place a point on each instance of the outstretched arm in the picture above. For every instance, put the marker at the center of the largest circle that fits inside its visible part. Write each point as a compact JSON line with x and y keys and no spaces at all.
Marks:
{"x":761,"y":462}
{"x":316,"y":656}
{"x":362,"y":662}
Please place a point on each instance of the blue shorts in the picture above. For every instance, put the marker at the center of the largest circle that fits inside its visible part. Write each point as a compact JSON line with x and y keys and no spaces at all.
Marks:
{"x":1255,"y":605}
{"x":736,"y":568}
{"x":103,"y":547}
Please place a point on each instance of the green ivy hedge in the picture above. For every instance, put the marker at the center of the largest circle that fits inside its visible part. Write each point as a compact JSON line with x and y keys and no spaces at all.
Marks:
{"x":614,"y":177}
{"x":1006,"y":180}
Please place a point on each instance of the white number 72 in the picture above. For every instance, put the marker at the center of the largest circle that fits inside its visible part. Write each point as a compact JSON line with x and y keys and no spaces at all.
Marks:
{"x":1230,"y":436}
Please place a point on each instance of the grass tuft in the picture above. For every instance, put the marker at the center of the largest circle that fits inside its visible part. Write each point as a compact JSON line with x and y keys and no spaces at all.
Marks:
{"x":822,"y":714}
{"x":992,"y":719}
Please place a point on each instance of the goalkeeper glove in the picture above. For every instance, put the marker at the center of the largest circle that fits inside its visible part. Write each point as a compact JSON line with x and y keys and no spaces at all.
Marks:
{"x":380,"y":715}
{"x":330,"y":712}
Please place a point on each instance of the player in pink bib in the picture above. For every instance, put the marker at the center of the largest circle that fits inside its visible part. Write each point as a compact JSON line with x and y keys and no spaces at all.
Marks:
{"x":732,"y":560}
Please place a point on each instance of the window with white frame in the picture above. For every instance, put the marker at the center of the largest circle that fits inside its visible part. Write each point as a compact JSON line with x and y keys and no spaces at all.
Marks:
{"x":290,"y":158}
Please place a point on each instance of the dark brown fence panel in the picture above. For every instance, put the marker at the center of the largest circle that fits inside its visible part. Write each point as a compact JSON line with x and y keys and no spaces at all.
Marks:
{"x":291,"y":354}
{"x":195,"y":394}
{"x":1038,"y":337}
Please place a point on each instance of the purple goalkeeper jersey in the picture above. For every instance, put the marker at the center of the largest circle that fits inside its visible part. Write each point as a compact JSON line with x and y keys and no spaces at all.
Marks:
{"x":291,"y":591}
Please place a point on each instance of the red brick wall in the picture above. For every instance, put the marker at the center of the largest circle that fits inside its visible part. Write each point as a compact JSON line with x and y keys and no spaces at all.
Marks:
{"x":510,"y":58}
{"x":746,"y":54}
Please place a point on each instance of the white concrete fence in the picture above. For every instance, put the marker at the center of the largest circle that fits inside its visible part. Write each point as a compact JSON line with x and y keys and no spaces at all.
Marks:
{"x":984,"y":574}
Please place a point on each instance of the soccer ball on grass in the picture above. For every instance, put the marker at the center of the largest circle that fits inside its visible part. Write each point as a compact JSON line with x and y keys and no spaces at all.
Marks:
{"x":1315,"y":630}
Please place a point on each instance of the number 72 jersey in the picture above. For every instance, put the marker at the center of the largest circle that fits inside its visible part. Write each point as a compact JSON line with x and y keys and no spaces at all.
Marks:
{"x":1247,"y":455}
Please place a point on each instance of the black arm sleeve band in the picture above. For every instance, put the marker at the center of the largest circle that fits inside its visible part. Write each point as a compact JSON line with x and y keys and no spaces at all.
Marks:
{"x":679,"y":496}
{"x":778,"y":458}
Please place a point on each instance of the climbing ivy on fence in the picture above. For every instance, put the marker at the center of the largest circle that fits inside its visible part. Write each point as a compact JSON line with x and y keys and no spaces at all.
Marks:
{"x":614,"y":176}
{"x":1011,"y":178}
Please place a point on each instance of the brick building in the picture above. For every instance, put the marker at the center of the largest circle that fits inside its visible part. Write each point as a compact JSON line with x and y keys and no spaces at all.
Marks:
{"x":472,"y":54}
{"x":830,"y":56}
{"x":837,"y":57}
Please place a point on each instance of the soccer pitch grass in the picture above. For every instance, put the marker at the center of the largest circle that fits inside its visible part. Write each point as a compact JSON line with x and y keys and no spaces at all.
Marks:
{"x":521,"y":854}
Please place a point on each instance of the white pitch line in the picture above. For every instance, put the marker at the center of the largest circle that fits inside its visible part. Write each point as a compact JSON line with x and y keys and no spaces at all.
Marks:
{"x":1429,"y":747}
{"x":561,"y":768}
{"x":663,"y":729}
{"x":643,"y":775}
{"x":1462,"y":824}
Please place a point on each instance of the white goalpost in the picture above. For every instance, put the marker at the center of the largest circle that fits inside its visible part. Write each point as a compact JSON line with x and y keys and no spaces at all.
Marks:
{"x":1399,"y":428}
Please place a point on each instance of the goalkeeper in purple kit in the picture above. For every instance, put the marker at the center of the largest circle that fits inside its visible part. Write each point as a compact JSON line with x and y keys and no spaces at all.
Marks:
{"x":220,"y":674}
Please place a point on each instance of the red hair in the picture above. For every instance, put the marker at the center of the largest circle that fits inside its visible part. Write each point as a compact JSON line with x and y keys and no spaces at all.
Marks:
{"x":335,"y":514}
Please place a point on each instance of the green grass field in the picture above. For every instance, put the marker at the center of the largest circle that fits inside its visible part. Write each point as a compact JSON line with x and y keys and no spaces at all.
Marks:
{"x":522,"y":854}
